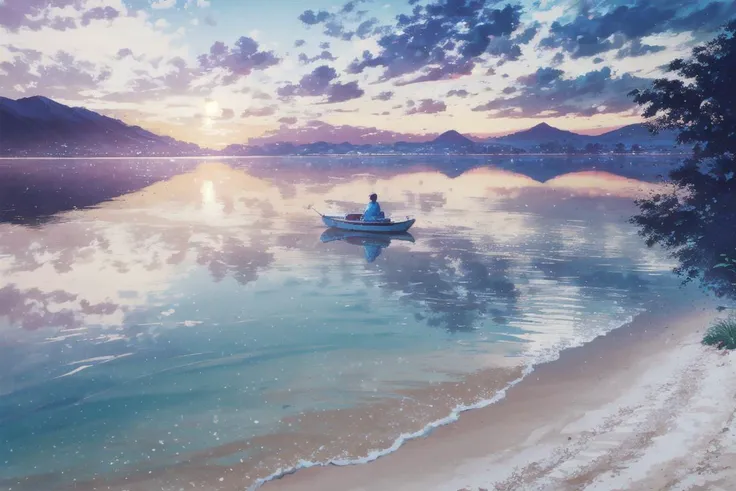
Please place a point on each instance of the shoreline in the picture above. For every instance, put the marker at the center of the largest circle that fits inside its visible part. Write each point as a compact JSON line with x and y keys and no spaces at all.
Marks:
{"x":520,"y":418}
{"x":339,"y":155}
{"x":575,"y":422}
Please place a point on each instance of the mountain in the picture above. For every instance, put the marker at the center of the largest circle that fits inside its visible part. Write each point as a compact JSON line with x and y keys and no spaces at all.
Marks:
{"x":637,"y":134}
{"x":38,"y":126}
{"x":451,"y":138}
{"x":548,"y":139}
{"x":540,"y":134}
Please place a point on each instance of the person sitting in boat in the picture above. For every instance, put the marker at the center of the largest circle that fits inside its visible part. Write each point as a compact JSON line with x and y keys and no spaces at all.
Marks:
{"x":373,"y":210}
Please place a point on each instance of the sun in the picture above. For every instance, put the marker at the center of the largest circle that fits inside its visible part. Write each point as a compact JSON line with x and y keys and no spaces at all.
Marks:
{"x":212,"y":108}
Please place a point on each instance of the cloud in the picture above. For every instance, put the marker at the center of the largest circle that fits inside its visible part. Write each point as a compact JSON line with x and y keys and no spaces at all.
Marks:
{"x":227,"y":114}
{"x":312,"y":84}
{"x":99,"y":13}
{"x":33,"y":14}
{"x":239,"y":61}
{"x":601,"y":29}
{"x":287,"y":120}
{"x":335,"y":24}
{"x":163,"y":4}
{"x":542,"y":77}
{"x":61,"y":75}
{"x":322,"y":82}
{"x":313,"y":131}
{"x":439,"y":41}
{"x":636,"y":48}
{"x":38,"y":14}
{"x":427,"y":106}
{"x":311,"y":18}
{"x":323,"y":56}
{"x":124,"y":53}
{"x":709,"y":18}
{"x":259,"y":112}
{"x":344,"y":92}
{"x":458,"y":93}
{"x":384,"y":96}
{"x":299,"y":43}
{"x":547,"y":93}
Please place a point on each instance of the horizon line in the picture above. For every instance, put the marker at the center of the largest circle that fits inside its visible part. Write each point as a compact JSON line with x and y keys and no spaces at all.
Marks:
{"x":474,"y":136}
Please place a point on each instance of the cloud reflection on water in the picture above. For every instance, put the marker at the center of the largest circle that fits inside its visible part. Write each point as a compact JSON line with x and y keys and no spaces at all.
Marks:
{"x":217,"y":275}
{"x":78,"y":270}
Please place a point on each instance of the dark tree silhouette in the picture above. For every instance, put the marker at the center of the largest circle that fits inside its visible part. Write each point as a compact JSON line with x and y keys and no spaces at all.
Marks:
{"x":593,"y":148}
{"x":697,"y":220}
{"x":620,"y":148}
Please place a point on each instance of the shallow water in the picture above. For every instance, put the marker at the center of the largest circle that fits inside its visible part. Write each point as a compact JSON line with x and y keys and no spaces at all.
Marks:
{"x":167,"y":323}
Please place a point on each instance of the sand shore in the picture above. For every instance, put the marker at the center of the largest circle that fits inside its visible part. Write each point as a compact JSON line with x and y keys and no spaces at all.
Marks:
{"x":646,"y":407}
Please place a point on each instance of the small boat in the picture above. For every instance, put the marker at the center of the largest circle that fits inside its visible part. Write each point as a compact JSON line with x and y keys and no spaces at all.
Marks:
{"x":354,"y":223}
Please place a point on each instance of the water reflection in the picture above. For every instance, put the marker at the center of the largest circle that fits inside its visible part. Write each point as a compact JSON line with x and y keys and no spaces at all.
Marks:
{"x":373,"y":243}
{"x":204,"y":294}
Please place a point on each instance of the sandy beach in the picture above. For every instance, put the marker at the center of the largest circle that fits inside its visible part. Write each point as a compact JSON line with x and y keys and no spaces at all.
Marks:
{"x":645,"y":407}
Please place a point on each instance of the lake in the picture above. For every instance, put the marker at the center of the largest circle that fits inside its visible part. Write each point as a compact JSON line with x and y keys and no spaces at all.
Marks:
{"x":179,"y":324}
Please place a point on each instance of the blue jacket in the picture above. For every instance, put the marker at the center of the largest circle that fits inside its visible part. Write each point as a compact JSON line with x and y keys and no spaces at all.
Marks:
{"x":372,"y":211}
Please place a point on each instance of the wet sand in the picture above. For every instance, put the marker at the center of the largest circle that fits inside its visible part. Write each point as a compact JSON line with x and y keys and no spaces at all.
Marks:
{"x":644,"y":407}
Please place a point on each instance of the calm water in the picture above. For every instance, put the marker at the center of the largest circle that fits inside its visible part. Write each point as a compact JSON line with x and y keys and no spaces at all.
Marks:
{"x":172,"y":323}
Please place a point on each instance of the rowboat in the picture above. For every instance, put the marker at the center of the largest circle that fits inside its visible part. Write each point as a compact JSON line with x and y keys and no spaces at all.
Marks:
{"x":350,"y":222}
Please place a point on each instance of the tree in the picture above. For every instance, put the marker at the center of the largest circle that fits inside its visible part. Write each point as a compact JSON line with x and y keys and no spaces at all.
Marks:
{"x":620,"y":148}
{"x":593,"y":148}
{"x":696,"y":221}
{"x":550,"y":147}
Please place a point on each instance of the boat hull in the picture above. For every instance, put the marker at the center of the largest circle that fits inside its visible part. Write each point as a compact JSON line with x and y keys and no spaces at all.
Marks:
{"x":361,"y":226}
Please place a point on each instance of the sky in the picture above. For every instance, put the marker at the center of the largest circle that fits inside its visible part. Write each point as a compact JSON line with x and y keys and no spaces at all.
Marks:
{"x":217,"y":72}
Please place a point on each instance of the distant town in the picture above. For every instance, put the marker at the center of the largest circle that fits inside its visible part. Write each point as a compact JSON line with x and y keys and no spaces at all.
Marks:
{"x":40,"y":127}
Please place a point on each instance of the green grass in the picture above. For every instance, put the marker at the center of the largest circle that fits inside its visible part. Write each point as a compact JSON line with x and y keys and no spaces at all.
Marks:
{"x":722,"y":334}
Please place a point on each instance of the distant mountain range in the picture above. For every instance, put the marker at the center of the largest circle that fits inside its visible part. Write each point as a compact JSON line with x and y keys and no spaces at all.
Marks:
{"x":544,"y":135}
{"x":38,"y":126}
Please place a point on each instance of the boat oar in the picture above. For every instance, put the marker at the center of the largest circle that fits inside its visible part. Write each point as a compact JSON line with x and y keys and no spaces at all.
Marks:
{"x":318,"y":213}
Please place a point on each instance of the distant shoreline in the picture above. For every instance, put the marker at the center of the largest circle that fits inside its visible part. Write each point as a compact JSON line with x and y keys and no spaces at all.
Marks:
{"x":583,"y":418}
{"x":190,"y":157}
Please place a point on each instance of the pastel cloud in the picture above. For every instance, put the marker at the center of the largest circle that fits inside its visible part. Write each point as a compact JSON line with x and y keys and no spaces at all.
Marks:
{"x":322,"y":82}
{"x":239,"y":61}
{"x":475,"y":66}
{"x":546,"y":92}
{"x":439,"y":41}
{"x":426,"y":106}
{"x":313,"y":131}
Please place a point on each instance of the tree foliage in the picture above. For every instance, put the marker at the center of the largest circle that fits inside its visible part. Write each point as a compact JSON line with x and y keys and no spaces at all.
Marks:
{"x":697,"y":219}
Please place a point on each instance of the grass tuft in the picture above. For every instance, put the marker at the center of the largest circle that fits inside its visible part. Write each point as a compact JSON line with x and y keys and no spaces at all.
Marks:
{"x":722,"y":334}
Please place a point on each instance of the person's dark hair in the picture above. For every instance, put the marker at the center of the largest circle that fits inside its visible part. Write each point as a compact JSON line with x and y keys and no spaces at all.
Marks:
{"x":373,"y":197}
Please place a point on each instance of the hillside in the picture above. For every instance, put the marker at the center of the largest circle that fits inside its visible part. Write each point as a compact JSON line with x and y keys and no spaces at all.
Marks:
{"x":451,"y":138}
{"x":40,"y":126}
{"x":542,"y":133}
